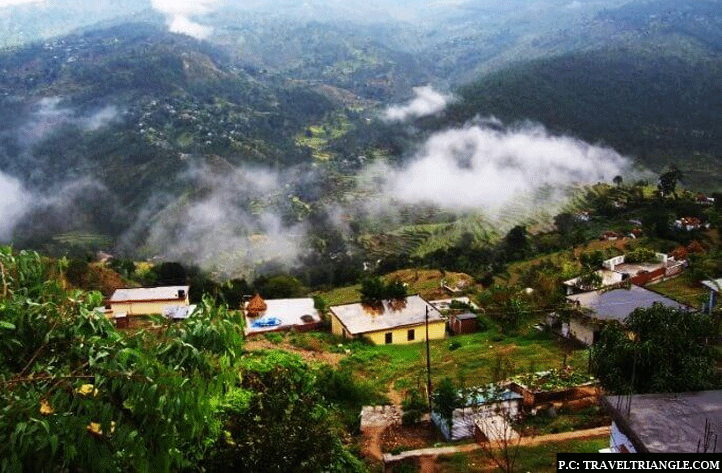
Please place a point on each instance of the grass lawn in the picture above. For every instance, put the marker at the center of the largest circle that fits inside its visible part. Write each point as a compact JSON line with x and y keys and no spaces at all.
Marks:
{"x":425,"y":282}
{"x":404,"y":366}
{"x":536,"y":459}
{"x":681,"y":289}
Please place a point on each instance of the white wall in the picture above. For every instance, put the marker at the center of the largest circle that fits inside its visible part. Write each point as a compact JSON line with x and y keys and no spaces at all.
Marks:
{"x":617,"y":439}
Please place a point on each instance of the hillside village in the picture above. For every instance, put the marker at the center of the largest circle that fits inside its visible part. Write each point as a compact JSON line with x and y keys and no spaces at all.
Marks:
{"x":527,"y":358}
{"x":345,"y":238}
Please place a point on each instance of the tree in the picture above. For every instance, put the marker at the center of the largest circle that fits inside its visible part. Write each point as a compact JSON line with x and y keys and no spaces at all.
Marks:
{"x":565,"y":223}
{"x":618,"y":180}
{"x":589,"y":281}
{"x":445,"y":400}
{"x":668,"y":181}
{"x":374,"y":290}
{"x":502,"y":445}
{"x":667,"y":353}
{"x":516,"y":242}
{"x":277,"y":422}
{"x":78,"y":395}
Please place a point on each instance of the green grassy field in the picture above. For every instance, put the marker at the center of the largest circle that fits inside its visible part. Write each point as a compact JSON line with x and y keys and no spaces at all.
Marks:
{"x":425,"y":282}
{"x":683,"y":290}
{"x":404,"y":366}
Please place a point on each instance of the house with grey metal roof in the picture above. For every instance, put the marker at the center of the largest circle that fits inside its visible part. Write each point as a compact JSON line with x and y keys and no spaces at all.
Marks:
{"x":600,"y":307}
{"x":666,"y":423}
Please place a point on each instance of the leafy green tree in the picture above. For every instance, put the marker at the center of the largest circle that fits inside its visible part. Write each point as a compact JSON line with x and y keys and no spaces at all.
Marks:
{"x":516,"y":242}
{"x":667,"y":353}
{"x":374,"y":290}
{"x":668,"y":181}
{"x":445,"y":399}
{"x":278,"y":422}
{"x":279,"y":286}
{"x":78,"y":395}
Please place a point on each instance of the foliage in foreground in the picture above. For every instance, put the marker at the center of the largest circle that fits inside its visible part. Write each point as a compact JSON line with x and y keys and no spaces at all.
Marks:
{"x":667,"y":352}
{"x":77,"y":395}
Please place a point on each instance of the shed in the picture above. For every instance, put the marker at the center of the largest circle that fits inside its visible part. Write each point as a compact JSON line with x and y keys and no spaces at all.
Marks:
{"x":479,"y":403}
{"x":462,"y":323}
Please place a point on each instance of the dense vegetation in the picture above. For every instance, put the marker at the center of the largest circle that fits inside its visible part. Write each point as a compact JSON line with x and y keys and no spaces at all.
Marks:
{"x":79,"y":395}
{"x":669,"y":352}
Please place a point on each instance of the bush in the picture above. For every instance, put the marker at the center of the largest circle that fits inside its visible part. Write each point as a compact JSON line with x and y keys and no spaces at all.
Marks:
{"x":410,"y":417}
{"x":454,"y":345}
{"x":484,"y":323}
{"x":273,"y":337}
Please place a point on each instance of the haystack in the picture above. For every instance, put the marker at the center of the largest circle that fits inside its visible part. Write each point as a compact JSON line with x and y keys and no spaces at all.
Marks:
{"x":255,"y":306}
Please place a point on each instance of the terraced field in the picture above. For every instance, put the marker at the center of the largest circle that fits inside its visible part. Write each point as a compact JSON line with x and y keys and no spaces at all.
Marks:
{"x":83,"y":240}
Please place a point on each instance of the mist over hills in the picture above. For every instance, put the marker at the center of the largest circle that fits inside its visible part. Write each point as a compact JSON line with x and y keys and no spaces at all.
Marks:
{"x":144,"y":141}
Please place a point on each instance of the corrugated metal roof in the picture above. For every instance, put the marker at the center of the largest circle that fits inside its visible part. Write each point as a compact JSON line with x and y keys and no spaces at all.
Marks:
{"x":178,"y":311}
{"x":713,"y":285}
{"x":617,"y":304}
{"x":163,"y":293}
{"x":359,"y":318}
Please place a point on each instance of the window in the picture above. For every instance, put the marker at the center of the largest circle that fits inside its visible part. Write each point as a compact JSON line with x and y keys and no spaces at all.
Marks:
{"x":389,"y":337}
{"x":411,"y":335}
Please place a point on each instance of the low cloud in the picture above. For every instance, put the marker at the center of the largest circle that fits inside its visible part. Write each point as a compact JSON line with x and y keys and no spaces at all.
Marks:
{"x":178,"y":15}
{"x":15,"y":202}
{"x":427,"y":102}
{"x":232,"y":226}
{"x":101,"y":118}
{"x":50,"y":114}
{"x":482,"y":167}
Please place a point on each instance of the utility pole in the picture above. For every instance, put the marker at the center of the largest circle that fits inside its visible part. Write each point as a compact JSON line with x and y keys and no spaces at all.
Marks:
{"x":428,"y":360}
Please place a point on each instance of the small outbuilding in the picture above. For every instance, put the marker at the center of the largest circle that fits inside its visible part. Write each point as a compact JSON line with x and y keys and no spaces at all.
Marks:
{"x":481,"y":404}
{"x":462,"y":323}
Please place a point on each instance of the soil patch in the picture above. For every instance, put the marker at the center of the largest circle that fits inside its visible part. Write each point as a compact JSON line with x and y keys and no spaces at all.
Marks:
{"x":309,"y":356}
{"x":399,"y":437}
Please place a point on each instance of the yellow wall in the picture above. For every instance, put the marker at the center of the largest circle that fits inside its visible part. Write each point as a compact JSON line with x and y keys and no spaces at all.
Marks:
{"x":336,"y":327}
{"x":581,"y":331}
{"x":137,"y":308}
{"x":437,"y":330}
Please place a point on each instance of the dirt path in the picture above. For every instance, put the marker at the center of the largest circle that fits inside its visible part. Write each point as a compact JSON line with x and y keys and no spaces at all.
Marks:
{"x":427,"y":456}
{"x":427,"y":464}
{"x":372,"y":442}
{"x":394,"y":396}
{"x":309,"y":356}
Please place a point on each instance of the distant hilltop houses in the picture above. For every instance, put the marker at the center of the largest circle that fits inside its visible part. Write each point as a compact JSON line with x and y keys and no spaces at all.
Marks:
{"x":616,"y":290}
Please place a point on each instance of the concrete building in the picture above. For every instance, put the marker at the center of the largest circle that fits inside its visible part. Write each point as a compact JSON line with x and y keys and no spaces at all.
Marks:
{"x":147,"y":300}
{"x":275,"y":315}
{"x":666,"y":423}
{"x":601,"y":307}
{"x":482,"y":406}
{"x":391,"y":322}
